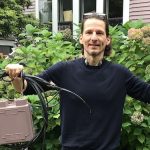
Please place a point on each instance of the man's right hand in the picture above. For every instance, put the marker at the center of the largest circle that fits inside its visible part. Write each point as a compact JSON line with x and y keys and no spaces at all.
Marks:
{"x":13,"y":70}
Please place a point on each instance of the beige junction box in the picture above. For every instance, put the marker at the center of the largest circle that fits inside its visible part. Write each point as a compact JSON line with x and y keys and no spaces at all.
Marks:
{"x":15,"y":121}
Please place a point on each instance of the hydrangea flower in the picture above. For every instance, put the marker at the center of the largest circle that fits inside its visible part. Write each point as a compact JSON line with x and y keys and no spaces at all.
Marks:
{"x":135,"y":34}
{"x":146,"y":31}
{"x":146,"y":40}
{"x":137,"y":118}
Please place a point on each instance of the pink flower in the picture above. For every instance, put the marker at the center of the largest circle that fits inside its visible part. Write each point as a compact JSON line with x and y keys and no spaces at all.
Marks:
{"x":135,"y":34}
{"x":146,"y":40}
{"x":146,"y":31}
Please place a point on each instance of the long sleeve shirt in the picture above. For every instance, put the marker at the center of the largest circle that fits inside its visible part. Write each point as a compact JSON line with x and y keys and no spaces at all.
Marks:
{"x":104,"y":89}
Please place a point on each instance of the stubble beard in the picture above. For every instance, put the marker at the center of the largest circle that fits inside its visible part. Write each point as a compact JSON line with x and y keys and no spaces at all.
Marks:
{"x":99,"y":52}
{"x":95,"y":53}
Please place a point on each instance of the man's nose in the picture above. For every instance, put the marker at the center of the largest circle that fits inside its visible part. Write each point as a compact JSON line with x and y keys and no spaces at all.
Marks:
{"x":94,"y":36}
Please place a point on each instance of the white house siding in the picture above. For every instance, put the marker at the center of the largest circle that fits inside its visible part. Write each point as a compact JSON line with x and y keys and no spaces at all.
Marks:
{"x":139,"y":9}
{"x":31,"y":8}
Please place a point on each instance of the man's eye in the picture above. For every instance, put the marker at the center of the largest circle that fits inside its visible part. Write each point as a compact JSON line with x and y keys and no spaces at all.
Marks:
{"x":89,"y":32}
{"x":99,"y":33}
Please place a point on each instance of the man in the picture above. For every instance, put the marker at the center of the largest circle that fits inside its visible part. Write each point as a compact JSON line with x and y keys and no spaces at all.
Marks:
{"x":102,"y":84}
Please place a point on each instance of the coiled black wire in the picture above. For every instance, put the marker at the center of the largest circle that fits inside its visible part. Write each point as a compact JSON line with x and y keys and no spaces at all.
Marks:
{"x":35,"y":81}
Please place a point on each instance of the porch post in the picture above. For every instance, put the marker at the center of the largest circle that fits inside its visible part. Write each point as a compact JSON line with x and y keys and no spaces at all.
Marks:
{"x":37,"y":9}
{"x":107,"y":7}
{"x":126,"y":4}
{"x":76,"y":13}
{"x":100,"y":6}
{"x":54,"y":16}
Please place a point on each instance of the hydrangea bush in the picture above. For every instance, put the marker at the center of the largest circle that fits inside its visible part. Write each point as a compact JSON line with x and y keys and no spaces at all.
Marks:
{"x":132,"y":49}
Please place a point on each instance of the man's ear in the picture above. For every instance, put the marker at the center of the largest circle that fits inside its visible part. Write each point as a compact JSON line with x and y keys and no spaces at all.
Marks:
{"x":108,"y":40}
{"x":81,"y":39}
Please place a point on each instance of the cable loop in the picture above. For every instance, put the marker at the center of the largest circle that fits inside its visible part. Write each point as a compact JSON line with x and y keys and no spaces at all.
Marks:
{"x":34,"y":82}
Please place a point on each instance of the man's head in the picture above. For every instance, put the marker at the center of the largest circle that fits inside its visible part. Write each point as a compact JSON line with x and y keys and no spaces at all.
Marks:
{"x":95,"y":34}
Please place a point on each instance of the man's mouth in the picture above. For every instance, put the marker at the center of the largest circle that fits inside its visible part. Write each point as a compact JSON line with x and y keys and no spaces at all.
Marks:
{"x":94,"y":45}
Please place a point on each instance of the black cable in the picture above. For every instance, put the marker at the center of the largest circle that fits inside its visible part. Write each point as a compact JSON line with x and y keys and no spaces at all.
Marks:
{"x":35,"y":82}
{"x":43,"y":100}
{"x":54,"y":87}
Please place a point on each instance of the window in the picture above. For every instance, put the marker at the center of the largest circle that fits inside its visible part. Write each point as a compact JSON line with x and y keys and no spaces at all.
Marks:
{"x":45,"y":11}
{"x":65,"y":10}
{"x":5,"y":50}
{"x":115,"y":11}
{"x":87,"y":6}
{"x":65,"y":14}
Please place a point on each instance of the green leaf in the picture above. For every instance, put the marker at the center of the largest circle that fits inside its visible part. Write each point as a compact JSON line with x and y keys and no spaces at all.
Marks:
{"x":148,"y":121}
{"x":126,"y":124}
{"x":122,"y":59}
{"x":137,"y":106}
{"x":129,"y":63}
{"x":127,"y":111}
{"x":132,"y":69}
{"x":139,"y":148}
{"x":147,"y":58}
{"x":30,"y":29}
{"x":141,"y":138}
{"x":140,"y":62}
{"x":144,"y":125}
{"x":56,"y":116}
{"x":39,"y":117}
{"x":137,"y":131}
{"x":145,"y":148}
{"x":46,"y":33}
{"x":134,"y":24}
{"x":37,"y":39}
{"x":132,"y":49}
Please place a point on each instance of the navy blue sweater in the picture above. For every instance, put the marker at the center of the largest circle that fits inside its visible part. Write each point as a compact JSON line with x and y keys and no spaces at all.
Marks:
{"x":104,"y":89}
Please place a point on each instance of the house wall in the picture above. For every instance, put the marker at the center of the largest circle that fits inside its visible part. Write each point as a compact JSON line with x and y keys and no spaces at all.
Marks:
{"x":30,"y":9}
{"x":139,"y":9}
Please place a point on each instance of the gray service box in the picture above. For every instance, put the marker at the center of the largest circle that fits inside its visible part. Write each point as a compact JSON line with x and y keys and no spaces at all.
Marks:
{"x":15,"y":121}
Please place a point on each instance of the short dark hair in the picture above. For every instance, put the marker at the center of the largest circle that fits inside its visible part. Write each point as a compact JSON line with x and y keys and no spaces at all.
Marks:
{"x":102,"y":17}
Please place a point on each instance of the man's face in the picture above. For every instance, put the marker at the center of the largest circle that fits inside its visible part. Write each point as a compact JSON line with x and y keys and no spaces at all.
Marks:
{"x":93,"y":38}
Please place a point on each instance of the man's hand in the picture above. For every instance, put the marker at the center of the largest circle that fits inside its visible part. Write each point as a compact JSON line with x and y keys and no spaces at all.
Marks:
{"x":13,"y":70}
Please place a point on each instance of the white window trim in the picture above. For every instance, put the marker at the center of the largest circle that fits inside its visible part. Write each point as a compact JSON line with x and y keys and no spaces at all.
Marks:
{"x":76,"y":13}
{"x":37,"y":9}
{"x":54,"y":16}
{"x":100,"y":6}
{"x":126,"y":4}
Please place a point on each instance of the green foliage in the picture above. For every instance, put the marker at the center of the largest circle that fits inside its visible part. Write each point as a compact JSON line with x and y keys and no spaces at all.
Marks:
{"x":43,"y":48}
{"x":39,"y":49}
{"x":12,"y":19}
{"x":53,"y":131}
{"x":131,"y":50}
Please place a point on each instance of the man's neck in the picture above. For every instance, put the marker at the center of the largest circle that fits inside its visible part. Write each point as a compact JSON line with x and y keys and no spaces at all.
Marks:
{"x":93,"y":61}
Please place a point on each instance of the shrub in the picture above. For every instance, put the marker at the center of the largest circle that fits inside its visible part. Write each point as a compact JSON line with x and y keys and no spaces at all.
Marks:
{"x":39,"y":49}
{"x":12,"y":19}
{"x":133,"y":51}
